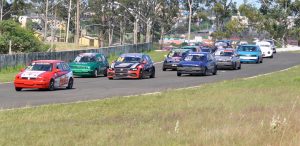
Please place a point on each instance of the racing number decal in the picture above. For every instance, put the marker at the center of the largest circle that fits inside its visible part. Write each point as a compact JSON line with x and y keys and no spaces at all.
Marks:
{"x":63,"y":80}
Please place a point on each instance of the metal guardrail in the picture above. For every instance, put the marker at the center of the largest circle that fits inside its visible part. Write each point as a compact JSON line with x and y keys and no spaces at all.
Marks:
{"x":26,"y":58}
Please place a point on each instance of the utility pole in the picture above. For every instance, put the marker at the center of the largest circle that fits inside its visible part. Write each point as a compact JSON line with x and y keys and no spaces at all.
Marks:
{"x":68,"y":25}
{"x":190,"y":19}
{"x":46,"y":20}
{"x":9,"y":51}
{"x":1,"y":11}
{"x":135,"y":30}
{"x":77,"y":23}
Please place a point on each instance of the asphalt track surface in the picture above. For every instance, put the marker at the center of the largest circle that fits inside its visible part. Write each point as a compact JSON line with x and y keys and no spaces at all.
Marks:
{"x":101,"y":87}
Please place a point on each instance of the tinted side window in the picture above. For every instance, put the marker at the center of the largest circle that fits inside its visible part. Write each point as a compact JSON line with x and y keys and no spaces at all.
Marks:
{"x":148,"y":59}
{"x":65,"y":67}
{"x":59,"y":66}
{"x":99,"y":58}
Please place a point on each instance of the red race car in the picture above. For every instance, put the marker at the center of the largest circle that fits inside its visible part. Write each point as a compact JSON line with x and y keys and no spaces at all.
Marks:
{"x":45,"y":74}
{"x":132,"y":65}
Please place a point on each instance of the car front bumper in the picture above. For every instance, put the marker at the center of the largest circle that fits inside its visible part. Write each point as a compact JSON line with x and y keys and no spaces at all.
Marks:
{"x":170,"y":65}
{"x":190,"y":70}
{"x":128,"y":74}
{"x":25,"y":83}
{"x":225,"y":64}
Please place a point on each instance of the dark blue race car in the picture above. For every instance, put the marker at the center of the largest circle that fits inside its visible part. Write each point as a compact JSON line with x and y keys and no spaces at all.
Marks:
{"x":197,"y":64}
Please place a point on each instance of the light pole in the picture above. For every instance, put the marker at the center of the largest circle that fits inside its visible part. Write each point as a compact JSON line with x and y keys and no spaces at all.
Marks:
{"x":68,"y":25}
{"x":46,"y":21}
{"x":190,"y":19}
{"x":77,"y":23}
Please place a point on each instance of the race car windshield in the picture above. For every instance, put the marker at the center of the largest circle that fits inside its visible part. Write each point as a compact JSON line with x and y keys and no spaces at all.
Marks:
{"x":222,"y":53}
{"x":175,"y":54}
{"x":247,"y":48}
{"x":129,"y":59}
{"x":195,"y":58}
{"x":85,"y":59}
{"x":39,"y":67}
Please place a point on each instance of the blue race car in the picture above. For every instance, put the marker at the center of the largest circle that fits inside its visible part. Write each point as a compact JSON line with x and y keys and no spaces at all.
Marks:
{"x":174,"y":57}
{"x":250,"y":53}
{"x":197,"y":63}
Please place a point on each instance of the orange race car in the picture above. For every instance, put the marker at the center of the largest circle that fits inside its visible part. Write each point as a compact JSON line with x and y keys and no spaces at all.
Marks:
{"x":45,"y":74}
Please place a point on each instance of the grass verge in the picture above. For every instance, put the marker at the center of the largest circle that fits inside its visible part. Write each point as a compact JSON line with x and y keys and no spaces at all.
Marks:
{"x":8,"y":74}
{"x":258,"y":111}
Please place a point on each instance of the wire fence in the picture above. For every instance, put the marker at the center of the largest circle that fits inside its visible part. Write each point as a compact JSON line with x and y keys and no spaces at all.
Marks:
{"x":13,"y":60}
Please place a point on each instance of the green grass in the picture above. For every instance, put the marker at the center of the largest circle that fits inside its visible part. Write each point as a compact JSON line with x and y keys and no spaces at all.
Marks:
{"x":8,"y":74}
{"x":228,"y":113}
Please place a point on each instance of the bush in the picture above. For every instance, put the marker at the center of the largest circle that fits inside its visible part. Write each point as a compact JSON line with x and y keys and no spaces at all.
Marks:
{"x":23,"y":40}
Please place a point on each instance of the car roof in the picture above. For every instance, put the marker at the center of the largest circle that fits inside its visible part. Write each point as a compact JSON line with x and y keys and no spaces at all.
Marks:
{"x":89,"y":54}
{"x":249,"y":45}
{"x":140,"y":55}
{"x":48,"y":61}
{"x":180,"y":50}
{"x":189,"y":47}
{"x":199,"y":53}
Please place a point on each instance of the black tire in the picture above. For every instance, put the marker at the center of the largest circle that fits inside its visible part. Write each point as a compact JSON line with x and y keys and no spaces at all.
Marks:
{"x":206,"y":73}
{"x":272,"y":56}
{"x":110,"y":78}
{"x":152,"y":74}
{"x":18,"y":89}
{"x":51,"y":85}
{"x":261,"y":61}
{"x":164,"y":69}
{"x":95,"y":73}
{"x":234,"y":67}
{"x":178,"y":74}
{"x":215,"y":71}
{"x":105,"y":72}
{"x":240,"y":66}
{"x":142,"y":75}
{"x":70,"y":84}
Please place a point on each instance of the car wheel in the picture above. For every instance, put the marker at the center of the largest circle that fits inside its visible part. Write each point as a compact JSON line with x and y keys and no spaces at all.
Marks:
{"x":105,"y":72}
{"x":240,"y":66}
{"x":164,"y":69}
{"x":152,"y":74}
{"x":261,"y":61}
{"x":142,"y":75}
{"x":206,"y":73}
{"x":51,"y":85}
{"x":178,"y":74}
{"x":110,"y":78}
{"x":18,"y":89}
{"x":70,"y":84}
{"x":272,"y":56}
{"x":234,"y":66}
{"x":215,"y":71}
{"x":95,"y":73}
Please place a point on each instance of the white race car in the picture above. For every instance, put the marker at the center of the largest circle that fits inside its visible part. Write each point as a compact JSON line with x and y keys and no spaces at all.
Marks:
{"x":266,"y":49}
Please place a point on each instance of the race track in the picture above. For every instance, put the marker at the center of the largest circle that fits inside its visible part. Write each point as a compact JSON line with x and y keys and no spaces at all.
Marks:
{"x":101,"y":87}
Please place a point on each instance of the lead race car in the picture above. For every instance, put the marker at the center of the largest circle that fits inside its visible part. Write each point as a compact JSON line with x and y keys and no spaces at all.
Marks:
{"x":45,"y":74}
{"x":132,"y":65}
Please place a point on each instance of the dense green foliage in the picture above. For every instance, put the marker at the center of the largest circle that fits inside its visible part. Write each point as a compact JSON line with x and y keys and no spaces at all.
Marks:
{"x":23,"y":40}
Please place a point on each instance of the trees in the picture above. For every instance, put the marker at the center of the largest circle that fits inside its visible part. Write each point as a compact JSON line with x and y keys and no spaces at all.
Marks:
{"x":23,"y":39}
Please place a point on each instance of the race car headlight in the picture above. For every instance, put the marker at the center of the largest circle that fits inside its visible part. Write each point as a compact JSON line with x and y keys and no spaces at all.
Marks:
{"x":134,"y":69}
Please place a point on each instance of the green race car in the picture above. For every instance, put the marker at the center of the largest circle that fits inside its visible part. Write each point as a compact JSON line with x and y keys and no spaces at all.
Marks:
{"x":90,"y":64}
